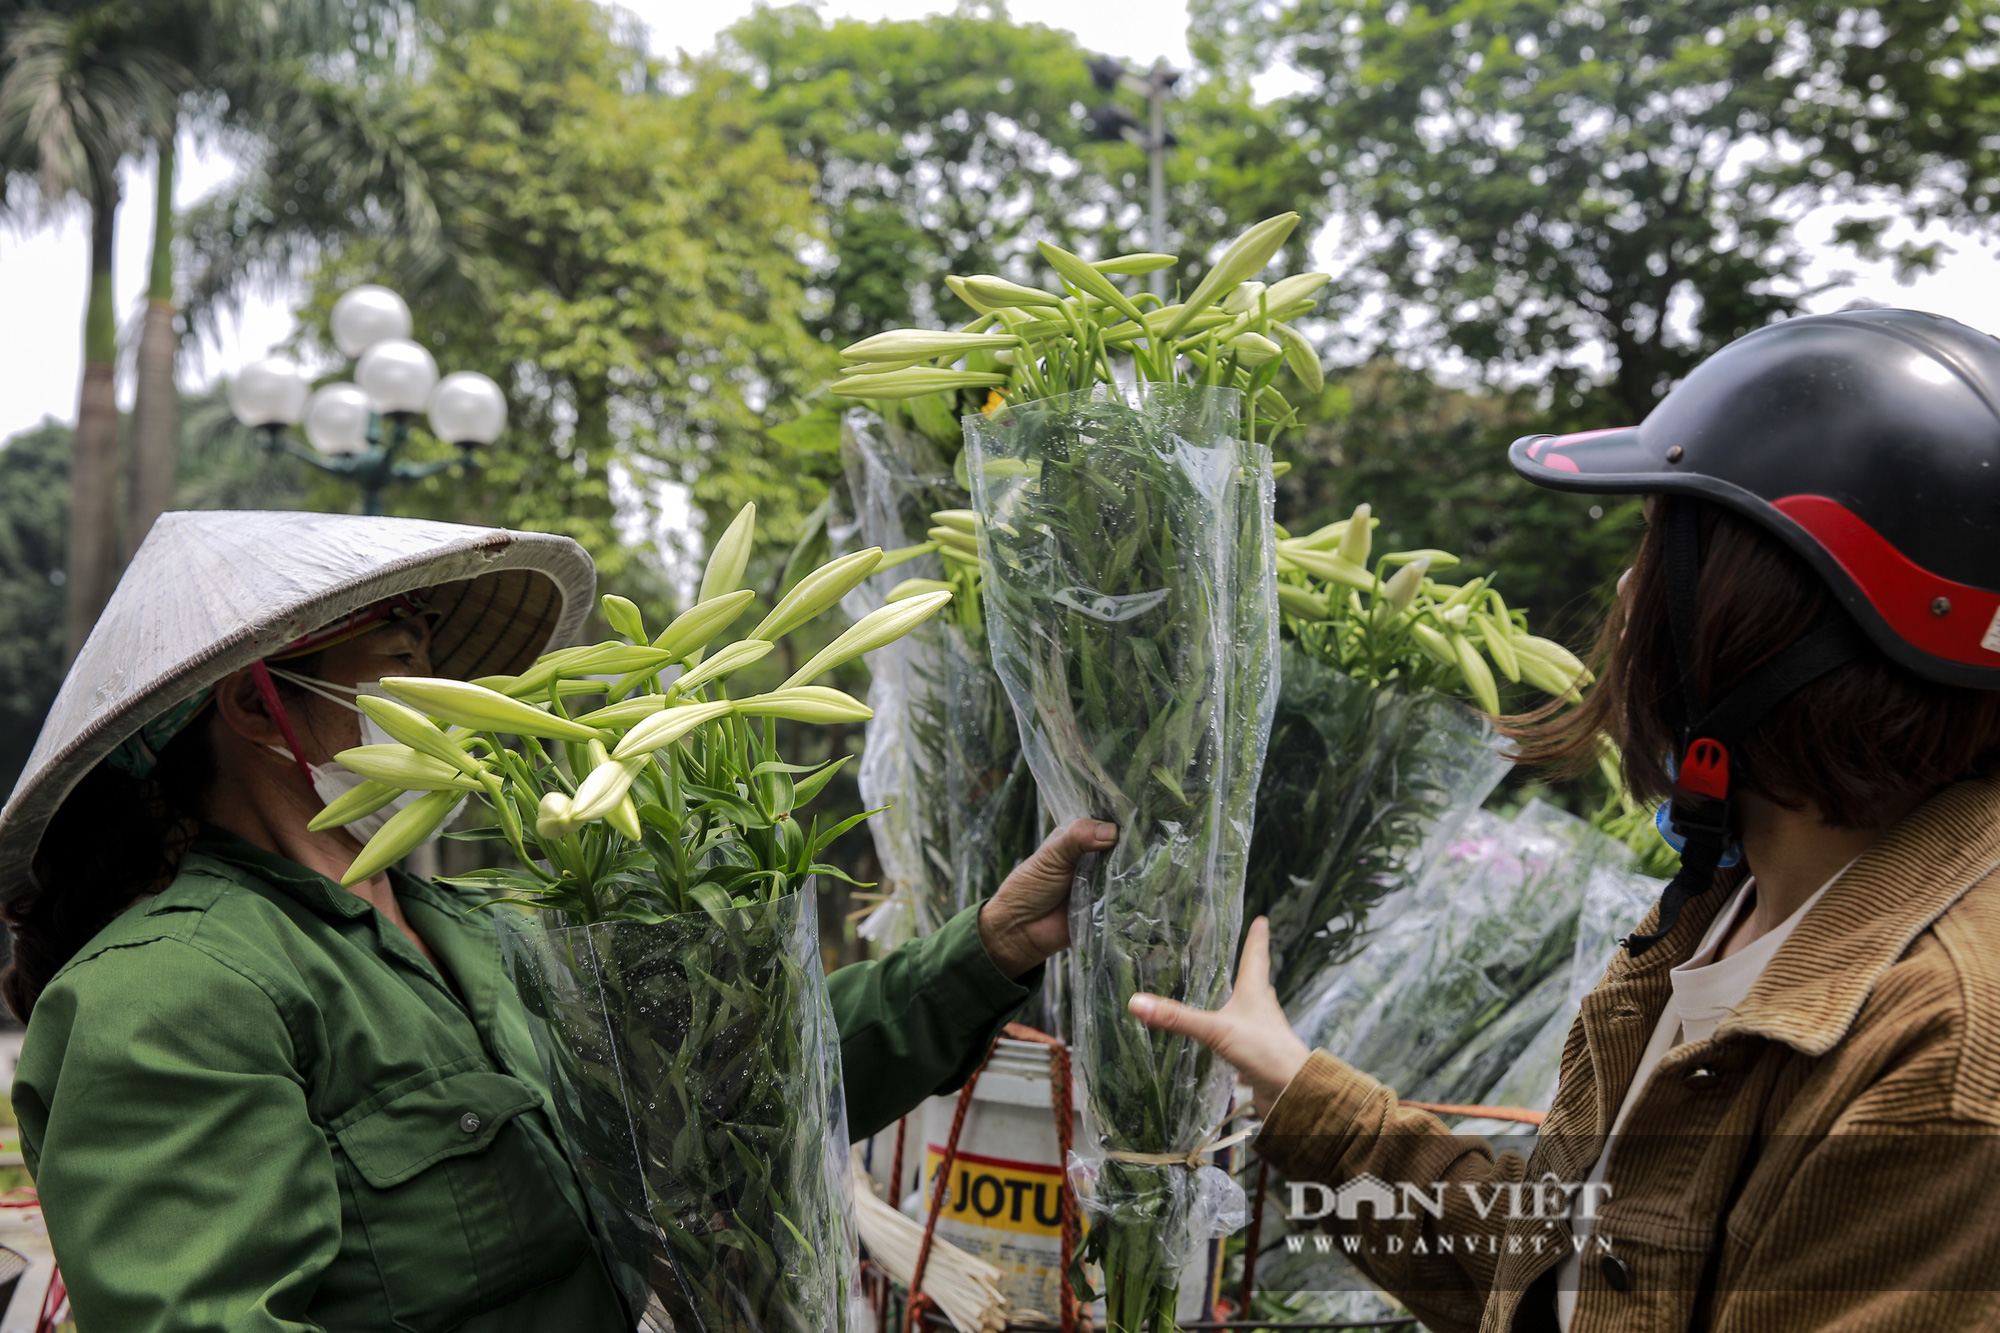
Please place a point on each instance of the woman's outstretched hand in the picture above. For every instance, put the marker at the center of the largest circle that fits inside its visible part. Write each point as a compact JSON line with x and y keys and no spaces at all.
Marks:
{"x":1250,"y":1031}
{"x":1027,"y":920}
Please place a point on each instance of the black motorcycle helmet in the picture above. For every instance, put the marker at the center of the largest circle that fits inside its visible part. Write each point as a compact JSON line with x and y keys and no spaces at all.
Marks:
{"x":1868,"y":442}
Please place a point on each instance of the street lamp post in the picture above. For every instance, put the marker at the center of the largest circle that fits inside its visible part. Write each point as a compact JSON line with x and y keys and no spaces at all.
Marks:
{"x":1111,"y":121}
{"x":358,"y":429}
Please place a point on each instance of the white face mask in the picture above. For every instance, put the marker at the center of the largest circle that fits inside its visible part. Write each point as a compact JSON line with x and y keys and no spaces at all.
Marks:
{"x":332,"y":781}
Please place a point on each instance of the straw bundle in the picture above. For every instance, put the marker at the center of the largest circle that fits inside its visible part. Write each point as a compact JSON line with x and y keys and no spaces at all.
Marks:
{"x":965,"y":1288}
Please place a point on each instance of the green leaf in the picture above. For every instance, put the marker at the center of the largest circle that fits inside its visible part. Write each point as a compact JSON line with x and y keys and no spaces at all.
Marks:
{"x":815,"y":432}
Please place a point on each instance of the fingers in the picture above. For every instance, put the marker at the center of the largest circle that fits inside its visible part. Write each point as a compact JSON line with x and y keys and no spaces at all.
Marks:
{"x":1253,"y":972}
{"x":1061,"y":850}
{"x":1085,"y":835}
{"x":1156,"y":1011}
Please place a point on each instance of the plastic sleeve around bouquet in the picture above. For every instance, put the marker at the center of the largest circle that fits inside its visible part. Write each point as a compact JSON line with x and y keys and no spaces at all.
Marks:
{"x":1130,"y":604}
{"x":941,"y":759}
{"x":1614,"y":902}
{"x":1453,"y":988}
{"x":1360,"y":786}
{"x":695,"y":1079}
{"x":894,"y":480}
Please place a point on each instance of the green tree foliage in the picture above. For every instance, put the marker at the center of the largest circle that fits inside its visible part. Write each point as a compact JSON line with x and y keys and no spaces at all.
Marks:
{"x":625,"y":262}
{"x":221,"y":468}
{"x":34,"y":509}
{"x":954,"y":143}
{"x":1431,"y":460}
{"x":1571,"y":188}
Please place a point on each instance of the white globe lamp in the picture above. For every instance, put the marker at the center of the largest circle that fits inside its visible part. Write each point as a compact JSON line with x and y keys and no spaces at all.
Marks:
{"x":468,"y":409}
{"x":337,"y":419}
{"x":367,"y":315}
{"x":398,"y":376}
{"x":270,"y":393}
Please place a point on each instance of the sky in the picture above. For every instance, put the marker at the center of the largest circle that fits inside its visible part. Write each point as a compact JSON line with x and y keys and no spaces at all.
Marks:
{"x":43,"y":268}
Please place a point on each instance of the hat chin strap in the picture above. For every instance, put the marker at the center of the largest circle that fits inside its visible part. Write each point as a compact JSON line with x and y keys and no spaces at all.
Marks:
{"x":1702,"y":810}
{"x":261,"y":674}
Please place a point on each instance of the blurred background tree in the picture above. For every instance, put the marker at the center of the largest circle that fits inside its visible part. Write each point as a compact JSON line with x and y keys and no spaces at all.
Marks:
{"x":954,"y":143}
{"x":1540,"y":215}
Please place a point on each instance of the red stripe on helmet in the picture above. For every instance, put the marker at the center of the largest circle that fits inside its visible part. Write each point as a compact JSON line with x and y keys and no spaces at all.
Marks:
{"x":1930,"y":613}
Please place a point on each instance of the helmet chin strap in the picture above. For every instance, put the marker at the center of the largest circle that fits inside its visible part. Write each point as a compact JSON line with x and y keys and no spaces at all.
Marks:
{"x":1702,"y":810}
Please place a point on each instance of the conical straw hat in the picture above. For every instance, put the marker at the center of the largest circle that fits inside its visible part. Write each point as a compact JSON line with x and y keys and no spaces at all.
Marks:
{"x":209,"y":593}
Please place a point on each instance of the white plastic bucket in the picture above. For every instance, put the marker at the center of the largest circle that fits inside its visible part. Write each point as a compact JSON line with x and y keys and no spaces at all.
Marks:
{"x":1007,"y":1179}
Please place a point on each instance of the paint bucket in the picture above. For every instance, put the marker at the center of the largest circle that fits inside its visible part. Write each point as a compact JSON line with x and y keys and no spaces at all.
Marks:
{"x":1004,"y":1184}
{"x":1007,"y":1179}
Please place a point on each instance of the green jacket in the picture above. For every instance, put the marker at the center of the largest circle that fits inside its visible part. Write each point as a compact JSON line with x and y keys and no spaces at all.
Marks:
{"x":250,"y":1104}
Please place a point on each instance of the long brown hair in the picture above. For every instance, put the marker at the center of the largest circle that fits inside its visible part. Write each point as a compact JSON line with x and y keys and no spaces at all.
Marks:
{"x":1863,"y":738}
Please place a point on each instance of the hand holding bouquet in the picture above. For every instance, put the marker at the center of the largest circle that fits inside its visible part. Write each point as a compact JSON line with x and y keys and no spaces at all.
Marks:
{"x":669,"y":959}
{"x":1123,"y":540}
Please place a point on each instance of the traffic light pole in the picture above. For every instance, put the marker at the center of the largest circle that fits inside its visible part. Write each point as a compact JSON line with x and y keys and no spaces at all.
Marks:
{"x":1111,"y":121}
{"x":1156,"y":152}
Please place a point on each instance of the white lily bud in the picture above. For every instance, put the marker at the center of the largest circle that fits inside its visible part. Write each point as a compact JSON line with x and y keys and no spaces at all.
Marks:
{"x":1254,"y":349}
{"x":816,"y":592}
{"x":1286,"y":291}
{"x":404,"y":832}
{"x":730,"y":556}
{"x":1403,"y":587}
{"x":726,"y":660}
{"x":667,"y":726}
{"x":1329,"y":566}
{"x":914,"y":383}
{"x":874,"y":630}
{"x":1243,"y":300}
{"x":552,"y":817}
{"x":694,"y":627}
{"x":993,"y":292}
{"x":1243,"y":260}
{"x":917,"y":588}
{"x":401,"y":766}
{"x":599,"y":794}
{"x":924,"y":345}
{"x":806,"y":703}
{"x":1358,"y":539}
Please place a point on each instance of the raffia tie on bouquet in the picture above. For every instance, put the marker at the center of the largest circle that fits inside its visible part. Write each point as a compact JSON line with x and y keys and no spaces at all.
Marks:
{"x":1198,"y":1158}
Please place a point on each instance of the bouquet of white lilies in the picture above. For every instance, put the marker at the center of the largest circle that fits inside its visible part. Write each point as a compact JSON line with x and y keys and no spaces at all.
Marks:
{"x":670,"y":959}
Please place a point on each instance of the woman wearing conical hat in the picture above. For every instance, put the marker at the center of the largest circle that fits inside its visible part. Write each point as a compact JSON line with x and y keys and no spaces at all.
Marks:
{"x":254,"y":1099}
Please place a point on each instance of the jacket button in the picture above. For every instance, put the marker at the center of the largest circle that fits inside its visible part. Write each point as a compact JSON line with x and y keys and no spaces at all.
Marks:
{"x":1697,"y":1079}
{"x":469,"y":1122}
{"x":1617,"y":1273}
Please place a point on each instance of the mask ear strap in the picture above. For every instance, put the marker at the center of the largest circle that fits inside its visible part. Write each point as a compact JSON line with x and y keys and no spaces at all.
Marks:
{"x":262,"y":675}
{"x":324,"y":689}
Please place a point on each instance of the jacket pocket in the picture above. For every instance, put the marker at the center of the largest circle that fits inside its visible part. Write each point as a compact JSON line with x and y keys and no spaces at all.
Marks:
{"x":460,"y":1211}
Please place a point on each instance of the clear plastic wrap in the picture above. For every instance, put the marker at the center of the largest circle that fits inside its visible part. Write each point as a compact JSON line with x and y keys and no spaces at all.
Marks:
{"x":941,"y":759}
{"x":1455,"y":994}
{"x":1614,"y":902}
{"x":1361,"y":786}
{"x":695,"y":1074}
{"x":1474,"y":962}
{"x":1131,"y":604}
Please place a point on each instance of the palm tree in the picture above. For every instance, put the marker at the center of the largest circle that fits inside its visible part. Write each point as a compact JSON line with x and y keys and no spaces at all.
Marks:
{"x":87,"y":83}
{"x":79,"y":91}
{"x":257,"y":62}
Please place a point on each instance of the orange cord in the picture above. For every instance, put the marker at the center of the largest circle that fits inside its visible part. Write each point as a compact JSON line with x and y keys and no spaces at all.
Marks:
{"x":1515,"y":1113}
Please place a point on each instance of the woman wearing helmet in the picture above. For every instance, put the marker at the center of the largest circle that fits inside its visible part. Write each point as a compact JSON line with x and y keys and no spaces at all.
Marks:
{"x":1780,"y":1107}
{"x":253,"y":1099}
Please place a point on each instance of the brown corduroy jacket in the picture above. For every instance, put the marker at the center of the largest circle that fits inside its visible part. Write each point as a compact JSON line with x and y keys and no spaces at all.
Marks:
{"x":1828,"y":1160}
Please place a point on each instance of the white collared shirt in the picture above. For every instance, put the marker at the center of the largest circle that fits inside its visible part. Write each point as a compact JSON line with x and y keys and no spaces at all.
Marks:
{"x":1705,"y":991}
